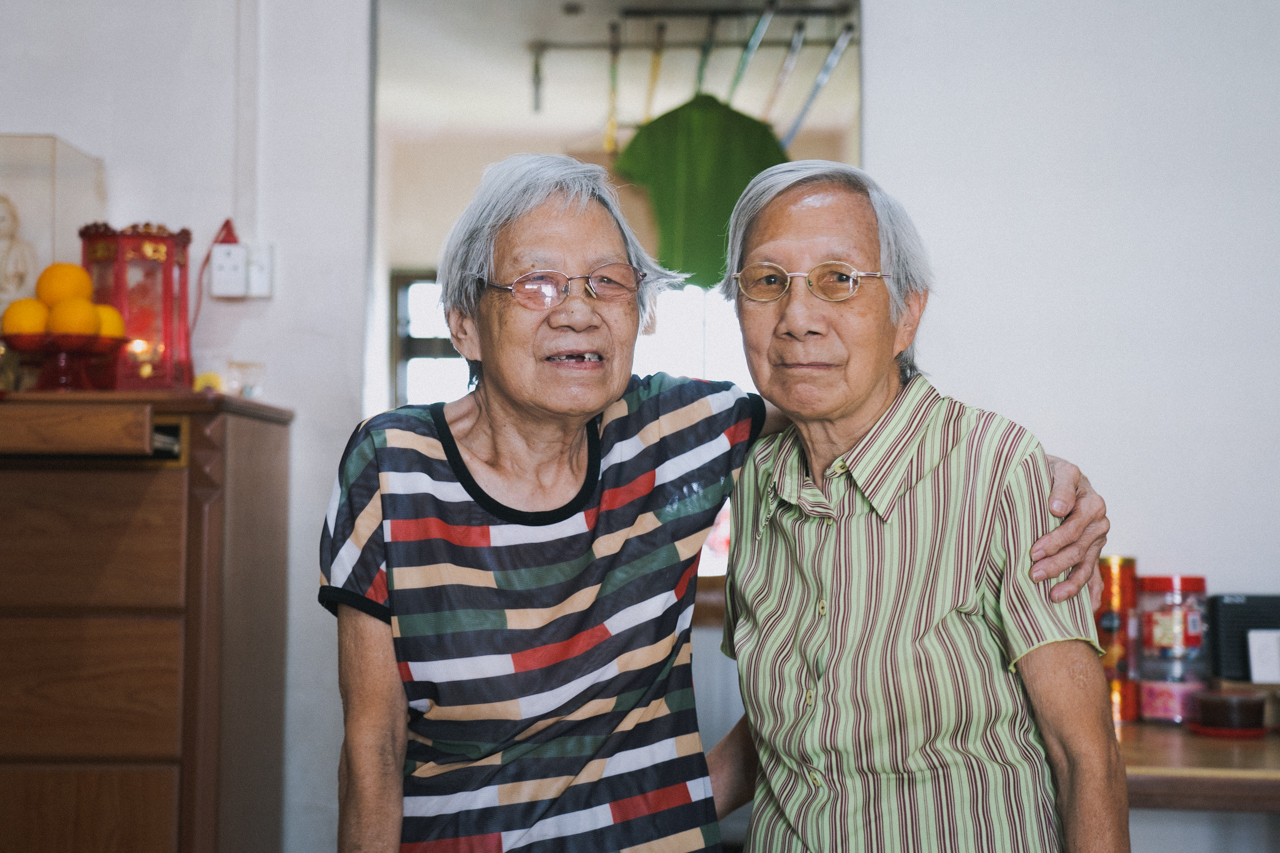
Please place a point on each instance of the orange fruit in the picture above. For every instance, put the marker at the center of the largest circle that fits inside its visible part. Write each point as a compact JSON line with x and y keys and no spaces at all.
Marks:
{"x":73,"y":316}
{"x":25,"y":317}
{"x":63,"y":281}
{"x":110,"y":323}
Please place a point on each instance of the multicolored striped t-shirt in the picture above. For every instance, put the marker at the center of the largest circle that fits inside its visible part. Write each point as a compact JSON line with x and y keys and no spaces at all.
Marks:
{"x":545,"y":655}
{"x":877,"y":622}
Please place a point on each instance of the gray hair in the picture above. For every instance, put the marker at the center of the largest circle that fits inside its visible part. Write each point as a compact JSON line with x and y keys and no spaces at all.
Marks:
{"x":514,"y":187}
{"x":902,"y":252}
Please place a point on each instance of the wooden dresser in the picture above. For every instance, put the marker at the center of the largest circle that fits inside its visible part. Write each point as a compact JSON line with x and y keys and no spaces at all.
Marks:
{"x":142,"y":622}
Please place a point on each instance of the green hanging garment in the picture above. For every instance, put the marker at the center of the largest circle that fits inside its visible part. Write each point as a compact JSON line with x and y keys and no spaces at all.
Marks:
{"x":695,"y":161}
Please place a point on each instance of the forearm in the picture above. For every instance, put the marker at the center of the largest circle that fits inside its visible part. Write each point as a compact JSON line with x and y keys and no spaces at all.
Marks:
{"x":733,"y":765}
{"x":1069,"y":697}
{"x":370,"y":800}
{"x":1093,"y":800}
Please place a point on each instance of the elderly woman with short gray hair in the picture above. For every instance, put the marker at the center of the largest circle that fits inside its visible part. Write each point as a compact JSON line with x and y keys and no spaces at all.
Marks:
{"x":514,"y":572}
{"x":908,"y":685}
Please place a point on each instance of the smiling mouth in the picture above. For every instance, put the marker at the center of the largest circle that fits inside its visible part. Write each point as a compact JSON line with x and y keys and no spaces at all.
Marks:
{"x":578,"y":357}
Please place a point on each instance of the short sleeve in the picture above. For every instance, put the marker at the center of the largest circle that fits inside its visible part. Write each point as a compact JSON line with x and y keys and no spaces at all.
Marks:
{"x":352,"y":547}
{"x":1029,"y":617}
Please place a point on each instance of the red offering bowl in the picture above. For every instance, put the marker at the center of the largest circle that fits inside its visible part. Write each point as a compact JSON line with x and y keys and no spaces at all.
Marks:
{"x":66,"y":360}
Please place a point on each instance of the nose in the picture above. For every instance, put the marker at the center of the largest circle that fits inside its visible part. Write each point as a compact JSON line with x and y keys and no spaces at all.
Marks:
{"x":802,"y":314}
{"x":575,"y":310}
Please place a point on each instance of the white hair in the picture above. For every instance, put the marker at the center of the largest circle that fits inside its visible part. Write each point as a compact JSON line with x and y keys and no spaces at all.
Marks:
{"x":902,"y":253}
{"x":514,"y":187}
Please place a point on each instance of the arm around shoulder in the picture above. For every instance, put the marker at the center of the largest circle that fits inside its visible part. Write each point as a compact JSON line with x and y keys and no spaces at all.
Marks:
{"x":375,"y":734}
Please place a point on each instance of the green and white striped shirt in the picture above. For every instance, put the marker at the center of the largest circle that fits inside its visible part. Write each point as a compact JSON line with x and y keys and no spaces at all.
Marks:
{"x":876,"y":634}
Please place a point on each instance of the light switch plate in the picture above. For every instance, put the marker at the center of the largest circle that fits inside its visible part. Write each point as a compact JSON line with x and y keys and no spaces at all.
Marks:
{"x":1264,"y":656}
{"x":229,"y":271}
{"x":261,"y":258}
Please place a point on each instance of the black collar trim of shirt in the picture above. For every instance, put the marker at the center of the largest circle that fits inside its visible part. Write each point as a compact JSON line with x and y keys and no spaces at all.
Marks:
{"x":500,"y":510}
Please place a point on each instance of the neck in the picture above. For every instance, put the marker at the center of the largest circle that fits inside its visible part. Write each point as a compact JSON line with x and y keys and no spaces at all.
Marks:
{"x":526,"y":460}
{"x":825,"y":439}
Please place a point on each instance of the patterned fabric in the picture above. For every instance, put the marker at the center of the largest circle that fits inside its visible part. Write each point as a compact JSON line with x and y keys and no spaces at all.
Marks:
{"x":876,"y":633}
{"x":545,"y":655}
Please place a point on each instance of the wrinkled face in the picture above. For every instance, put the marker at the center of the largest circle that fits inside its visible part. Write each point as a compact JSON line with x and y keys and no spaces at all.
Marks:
{"x":816,"y":360}
{"x":572,"y":359}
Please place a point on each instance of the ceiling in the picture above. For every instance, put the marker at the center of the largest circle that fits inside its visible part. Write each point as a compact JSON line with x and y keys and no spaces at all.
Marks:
{"x":465,"y":66}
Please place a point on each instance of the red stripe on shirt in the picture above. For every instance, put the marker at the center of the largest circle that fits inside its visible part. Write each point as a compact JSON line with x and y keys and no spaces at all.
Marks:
{"x":740,"y":431}
{"x":378,"y":589}
{"x":406,"y":674}
{"x":650,"y":803}
{"x":623,"y":495}
{"x":491,"y":843}
{"x":556,"y":652}
{"x":689,"y":573}
{"x":412,"y":529}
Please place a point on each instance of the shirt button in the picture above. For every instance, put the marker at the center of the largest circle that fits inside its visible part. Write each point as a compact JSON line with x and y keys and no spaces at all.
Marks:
{"x":813,"y":777}
{"x":822,"y":607}
{"x":840,"y":466}
{"x":808,"y":697}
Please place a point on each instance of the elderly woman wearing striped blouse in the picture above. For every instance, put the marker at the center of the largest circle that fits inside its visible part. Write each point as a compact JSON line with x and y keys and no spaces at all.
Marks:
{"x":908,"y":686}
{"x":513,"y":572}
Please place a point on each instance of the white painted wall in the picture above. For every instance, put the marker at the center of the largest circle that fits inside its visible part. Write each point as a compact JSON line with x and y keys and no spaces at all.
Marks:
{"x":152,"y":87}
{"x":1098,"y":185}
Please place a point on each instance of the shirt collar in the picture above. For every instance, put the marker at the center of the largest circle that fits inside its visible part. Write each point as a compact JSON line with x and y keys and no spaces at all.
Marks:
{"x":879,"y":463}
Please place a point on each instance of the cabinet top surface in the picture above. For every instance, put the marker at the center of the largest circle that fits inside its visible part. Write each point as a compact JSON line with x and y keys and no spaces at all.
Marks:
{"x":162,"y":402}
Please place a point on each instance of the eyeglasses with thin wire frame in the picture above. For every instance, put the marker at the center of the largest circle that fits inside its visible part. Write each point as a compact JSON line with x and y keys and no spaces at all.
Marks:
{"x":542,"y":289}
{"x":830,"y":281}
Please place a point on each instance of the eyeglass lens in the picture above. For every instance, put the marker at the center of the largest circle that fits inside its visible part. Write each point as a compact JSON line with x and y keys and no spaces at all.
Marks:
{"x":545,"y":288}
{"x":832,"y":281}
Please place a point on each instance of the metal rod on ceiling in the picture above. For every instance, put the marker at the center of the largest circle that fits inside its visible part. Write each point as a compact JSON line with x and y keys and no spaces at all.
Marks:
{"x":611,"y":126}
{"x":788,"y":65}
{"x":707,"y":44}
{"x":840,"y":10}
{"x":846,"y":35}
{"x":655,"y":67}
{"x":753,"y":44}
{"x":538,"y":51}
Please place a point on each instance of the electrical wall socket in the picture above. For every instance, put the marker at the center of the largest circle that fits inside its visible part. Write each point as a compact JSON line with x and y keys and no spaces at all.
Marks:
{"x":229,"y":267}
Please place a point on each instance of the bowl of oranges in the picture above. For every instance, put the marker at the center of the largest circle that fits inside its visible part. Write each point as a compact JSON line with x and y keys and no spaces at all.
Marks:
{"x":64,"y":327}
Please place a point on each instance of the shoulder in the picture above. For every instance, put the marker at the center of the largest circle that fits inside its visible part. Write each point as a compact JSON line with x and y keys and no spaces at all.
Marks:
{"x":648,"y":398}
{"x":408,"y":427}
{"x":985,"y":440}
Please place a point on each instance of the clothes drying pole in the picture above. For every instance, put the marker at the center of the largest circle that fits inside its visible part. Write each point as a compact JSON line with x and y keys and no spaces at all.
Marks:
{"x":753,"y":44}
{"x":615,"y":50}
{"x":788,"y":65}
{"x":846,"y":35}
{"x":655,"y":67}
{"x":705,"y":51}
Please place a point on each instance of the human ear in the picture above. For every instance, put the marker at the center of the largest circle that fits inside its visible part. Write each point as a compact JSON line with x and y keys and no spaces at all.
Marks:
{"x":909,"y":322}
{"x":464,"y":334}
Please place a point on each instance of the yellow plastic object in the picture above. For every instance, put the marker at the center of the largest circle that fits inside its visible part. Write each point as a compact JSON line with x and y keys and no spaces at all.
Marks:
{"x":208,"y":382}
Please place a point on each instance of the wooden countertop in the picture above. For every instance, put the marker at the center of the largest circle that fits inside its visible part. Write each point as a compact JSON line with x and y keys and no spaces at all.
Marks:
{"x":161,"y":402}
{"x":1171,"y":768}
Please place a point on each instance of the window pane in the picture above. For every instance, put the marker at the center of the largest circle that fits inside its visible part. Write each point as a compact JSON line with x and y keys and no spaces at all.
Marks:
{"x":426,"y":317}
{"x":432,"y":380}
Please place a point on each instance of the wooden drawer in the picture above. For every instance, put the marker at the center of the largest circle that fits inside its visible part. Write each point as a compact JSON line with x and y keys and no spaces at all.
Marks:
{"x":90,"y":688}
{"x":122,"y":429}
{"x":92,"y":538}
{"x":86,"y":809}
